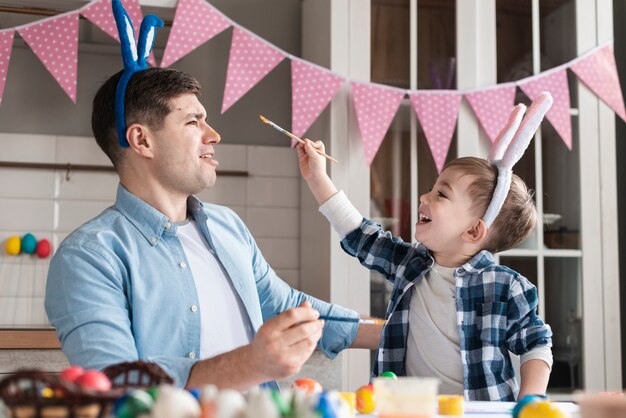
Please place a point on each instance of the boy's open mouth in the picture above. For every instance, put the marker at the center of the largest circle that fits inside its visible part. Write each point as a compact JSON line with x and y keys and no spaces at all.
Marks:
{"x":423,"y":219}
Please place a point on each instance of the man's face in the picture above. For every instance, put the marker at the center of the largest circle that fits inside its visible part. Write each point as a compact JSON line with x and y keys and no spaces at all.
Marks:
{"x":446,"y":212}
{"x":183,"y":148}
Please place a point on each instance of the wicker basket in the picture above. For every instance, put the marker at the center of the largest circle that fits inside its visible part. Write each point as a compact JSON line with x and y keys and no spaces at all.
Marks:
{"x":35,"y":394}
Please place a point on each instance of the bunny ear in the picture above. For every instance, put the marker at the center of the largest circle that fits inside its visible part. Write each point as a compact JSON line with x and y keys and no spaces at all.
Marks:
{"x":126,"y":33}
{"x":506,"y":134}
{"x":146,"y":38}
{"x":526,"y":131}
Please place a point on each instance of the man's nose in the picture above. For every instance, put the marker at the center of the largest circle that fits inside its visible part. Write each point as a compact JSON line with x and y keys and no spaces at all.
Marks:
{"x":211,"y":136}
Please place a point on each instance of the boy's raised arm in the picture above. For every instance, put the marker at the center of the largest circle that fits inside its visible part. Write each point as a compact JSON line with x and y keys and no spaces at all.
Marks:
{"x":313,"y":170}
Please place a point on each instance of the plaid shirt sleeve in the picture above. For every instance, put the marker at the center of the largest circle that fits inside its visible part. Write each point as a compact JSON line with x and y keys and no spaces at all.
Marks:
{"x":377,"y":249}
{"x":525,"y":329}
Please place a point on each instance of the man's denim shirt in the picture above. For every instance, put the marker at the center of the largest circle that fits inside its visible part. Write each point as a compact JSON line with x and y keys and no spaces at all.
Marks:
{"x":120,"y":289}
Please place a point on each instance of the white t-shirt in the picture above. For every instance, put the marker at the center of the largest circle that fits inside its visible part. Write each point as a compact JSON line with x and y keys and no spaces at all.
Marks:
{"x":218,"y":299}
{"x":433,"y":345}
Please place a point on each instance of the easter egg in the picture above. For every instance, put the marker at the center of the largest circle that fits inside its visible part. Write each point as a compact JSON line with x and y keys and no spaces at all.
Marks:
{"x":43,"y":248}
{"x":13,"y":245}
{"x":389,"y":375}
{"x":29,"y":243}
{"x":525,"y":400}
{"x":93,"y":379}
{"x":308,"y":385}
{"x":365,"y":402}
{"x":541,"y":409}
{"x":72,"y":373}
{"x":175,"y":403}
{"x":135,"y":402}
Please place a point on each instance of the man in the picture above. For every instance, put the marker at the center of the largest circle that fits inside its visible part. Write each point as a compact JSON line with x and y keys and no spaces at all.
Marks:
{"x":164,"y":277}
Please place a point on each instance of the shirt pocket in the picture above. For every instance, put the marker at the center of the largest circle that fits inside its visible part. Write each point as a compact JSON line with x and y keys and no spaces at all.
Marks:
{"x":493,"y":322}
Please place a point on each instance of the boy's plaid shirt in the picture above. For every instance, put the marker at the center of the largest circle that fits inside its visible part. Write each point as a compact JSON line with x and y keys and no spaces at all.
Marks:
{"x":496,"y":311}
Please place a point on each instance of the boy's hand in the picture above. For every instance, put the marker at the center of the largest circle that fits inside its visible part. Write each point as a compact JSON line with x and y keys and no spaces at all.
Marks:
{"x":312,"y":164}
{"x":313,"y":170}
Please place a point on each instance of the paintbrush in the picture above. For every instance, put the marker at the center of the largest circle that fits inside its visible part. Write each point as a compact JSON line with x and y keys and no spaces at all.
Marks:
{"x":292,"y":136}
{"x":369,"y":321}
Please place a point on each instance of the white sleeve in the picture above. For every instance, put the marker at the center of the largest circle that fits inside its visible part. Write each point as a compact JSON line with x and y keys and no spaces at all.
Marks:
{"x":540,"y":353}
{"x":341,"y":214}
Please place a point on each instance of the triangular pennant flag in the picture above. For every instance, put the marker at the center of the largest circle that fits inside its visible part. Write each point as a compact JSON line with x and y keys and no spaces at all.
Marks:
{"x":312,"y":88}
{"x":250,"y":60}
{"x":599,"y":73}
{"x":6,"y":44}
{"x":195,"y":22}
{"x":554,"y":82}
{"x":437,"y":112}
{"x":55,"y":42}
{"x":375,"y":107}
{"x":492,"y":107}
{"x":100,"y":13}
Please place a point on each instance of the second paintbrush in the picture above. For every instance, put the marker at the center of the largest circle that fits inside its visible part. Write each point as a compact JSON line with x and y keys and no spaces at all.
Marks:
{"x":292,"y":136}
{"x":372,"y":321}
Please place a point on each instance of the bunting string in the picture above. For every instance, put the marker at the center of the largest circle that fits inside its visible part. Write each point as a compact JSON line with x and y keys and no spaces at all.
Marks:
{"x":54,"y":40}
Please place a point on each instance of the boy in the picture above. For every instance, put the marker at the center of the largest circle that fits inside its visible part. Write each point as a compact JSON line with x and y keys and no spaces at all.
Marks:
{"x":454,"y":313}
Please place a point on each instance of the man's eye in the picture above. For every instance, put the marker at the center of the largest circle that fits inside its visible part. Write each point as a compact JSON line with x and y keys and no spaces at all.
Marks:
{"x":192,"y":122}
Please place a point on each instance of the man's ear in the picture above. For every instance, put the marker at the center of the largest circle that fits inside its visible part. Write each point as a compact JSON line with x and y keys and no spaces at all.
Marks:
{"x":476,"y":233}
{"x":140,"y":139}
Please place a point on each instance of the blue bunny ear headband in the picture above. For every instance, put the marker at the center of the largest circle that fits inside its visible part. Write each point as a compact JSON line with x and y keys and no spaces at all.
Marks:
{"x":134,"y":57}
{"x":509,"y":147}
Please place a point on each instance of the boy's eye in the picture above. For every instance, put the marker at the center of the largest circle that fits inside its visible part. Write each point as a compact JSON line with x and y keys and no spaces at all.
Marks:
{"x":441,"y":195}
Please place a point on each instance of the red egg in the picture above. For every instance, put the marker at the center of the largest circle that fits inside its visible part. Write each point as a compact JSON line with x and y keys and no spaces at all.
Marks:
{"x":43,"y":248}
{"x":72,"y":373}
{"x":310,"y":386}
{"x":93,"y":379}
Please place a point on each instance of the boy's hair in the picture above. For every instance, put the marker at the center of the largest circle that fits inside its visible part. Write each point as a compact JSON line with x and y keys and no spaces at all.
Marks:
{"x":147,"y":101}
{"x":518,"y":216}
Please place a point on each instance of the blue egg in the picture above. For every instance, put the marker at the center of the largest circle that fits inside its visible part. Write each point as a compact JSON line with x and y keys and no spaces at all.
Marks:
{"x":29,"y":243}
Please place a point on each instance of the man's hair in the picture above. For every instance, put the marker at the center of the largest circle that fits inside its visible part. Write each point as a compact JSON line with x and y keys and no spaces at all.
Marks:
{"x":518,"y":216}
{"x":147,"y":101}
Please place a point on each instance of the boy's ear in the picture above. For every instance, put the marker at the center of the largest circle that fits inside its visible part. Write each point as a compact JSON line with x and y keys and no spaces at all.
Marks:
{"x":140,"y":139}
{"x":476,"y":233}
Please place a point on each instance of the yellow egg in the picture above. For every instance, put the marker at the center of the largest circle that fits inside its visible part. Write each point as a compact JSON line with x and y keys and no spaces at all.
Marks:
{"x":13,"y":245}
{"x":541,"y":409}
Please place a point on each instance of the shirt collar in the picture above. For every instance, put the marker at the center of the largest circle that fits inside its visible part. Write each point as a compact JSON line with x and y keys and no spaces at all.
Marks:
{"x":478,"y":263}
{"x":149,"y":221}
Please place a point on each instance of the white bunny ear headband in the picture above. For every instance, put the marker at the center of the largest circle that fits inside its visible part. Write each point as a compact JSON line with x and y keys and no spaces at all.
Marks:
{"x":134,"y":57}
{"x":510,"y":146}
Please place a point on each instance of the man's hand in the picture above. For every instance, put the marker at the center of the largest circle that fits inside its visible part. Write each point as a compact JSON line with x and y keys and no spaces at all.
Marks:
{"x":284,"y":343}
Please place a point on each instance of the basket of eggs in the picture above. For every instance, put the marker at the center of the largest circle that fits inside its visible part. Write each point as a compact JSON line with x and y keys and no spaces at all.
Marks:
{"x":75,"y":393}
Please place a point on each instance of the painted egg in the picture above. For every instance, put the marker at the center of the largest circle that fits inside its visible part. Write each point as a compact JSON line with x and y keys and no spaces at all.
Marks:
{"x":541,"y":409}
{"x":43,"y":248}
{"x":365,"y":402}
{"x":93,"y":379}
{"x":29,"y":243}
{"x":389,"y":375}
{"x":13,"y":245}
{"x":72,"y":373}
{"x":135,"y":403}
{"x":308,"y":385}
{"x":175,"y":403}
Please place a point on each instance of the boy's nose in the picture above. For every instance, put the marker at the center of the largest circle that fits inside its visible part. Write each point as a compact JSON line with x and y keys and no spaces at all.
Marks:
{"x":423,"y":198}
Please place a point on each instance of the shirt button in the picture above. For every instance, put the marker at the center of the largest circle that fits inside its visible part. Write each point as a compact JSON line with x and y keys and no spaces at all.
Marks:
{"x":153,"y":239}
{"x":182,"y":264}
{"x":168,"y":225}
{"x":192,"y":354}
{"x":194,"y":308}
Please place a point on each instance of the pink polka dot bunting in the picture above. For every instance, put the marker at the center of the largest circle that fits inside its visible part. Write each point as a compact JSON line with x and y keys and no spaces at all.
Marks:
{"x":492,"y":107}
{"x":195,"y":22}
{"x":55,"y":42}
{"x":375,"y":107}
{"x":599,"y":73}
{"x":6,"y":44}
{"x":312,"y":88}
{"x":554,"y":82}
{"x":100,"y":13}
{"x":437,"y":112}
{"x":250,"y":60}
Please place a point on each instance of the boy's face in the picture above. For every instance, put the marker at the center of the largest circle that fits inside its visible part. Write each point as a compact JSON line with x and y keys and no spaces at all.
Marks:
{"x":446,"y":212}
